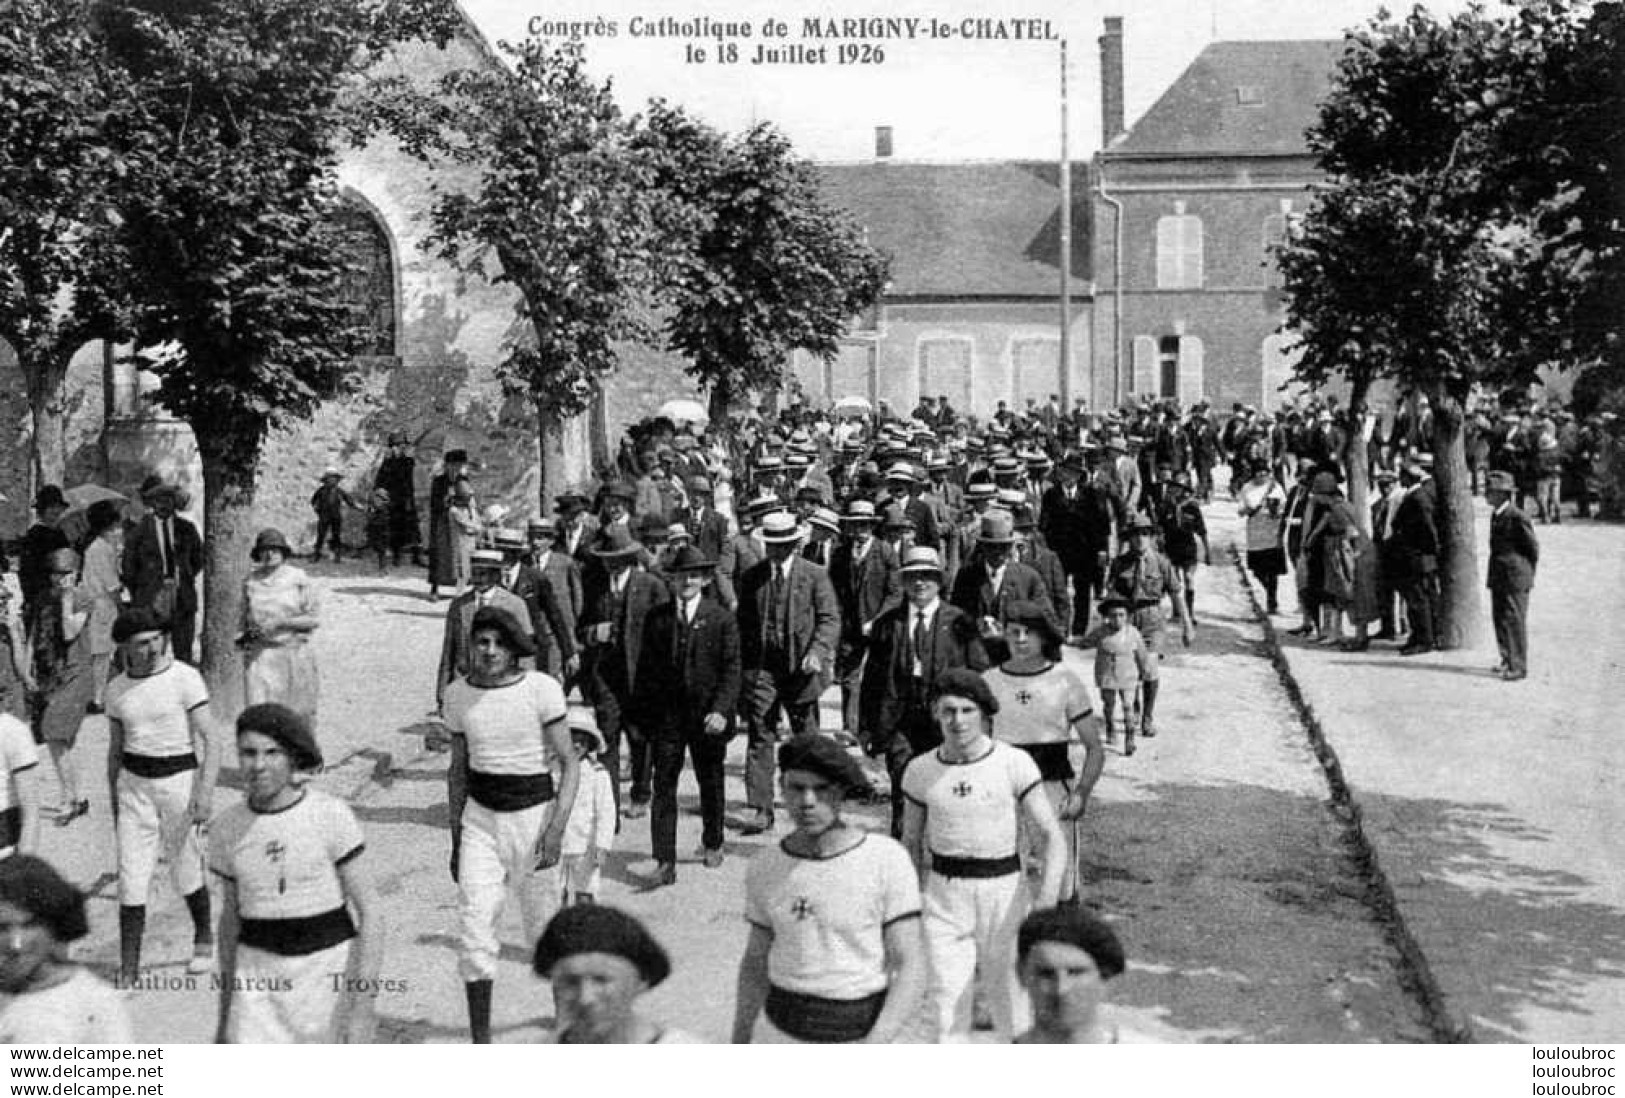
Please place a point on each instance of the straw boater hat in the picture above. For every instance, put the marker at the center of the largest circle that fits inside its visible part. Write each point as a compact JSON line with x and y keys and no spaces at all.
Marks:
{"x":485,"y":558}
{"x":921,"y":558}
{"x":677,"y":532}
{"x":860,"y":512}
{"x":509,"y":540}
{"x":542,"y":525}
{"x":901,"y":471}
{"x":826,"y":519}
{"x":982,"y":489}
{"x":780,"y":528}
{"x":764,"y":504}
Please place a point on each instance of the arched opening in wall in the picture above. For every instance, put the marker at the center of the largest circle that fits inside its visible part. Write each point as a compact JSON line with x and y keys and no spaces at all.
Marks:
{"x":369,"y":286}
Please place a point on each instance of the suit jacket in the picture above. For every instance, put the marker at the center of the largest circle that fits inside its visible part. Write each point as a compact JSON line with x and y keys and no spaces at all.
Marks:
{"x":643,"y":593}
{"x":1414,"y":548}
{"x":865,"y":589}
{"x":1047,"y":564}
{"x":454,"y":648}
{"x":814,"y":625}
{"x":1077,"y":528}
{"x":1514,"y":552}
{"x":676,"y":694}
{"x":975,"y":595}
{"x":709,"y":531}
{"x":887,"y":676}
{"x":143,"y":565}
{"x":548,"y":623}
{"x":564,"y":574}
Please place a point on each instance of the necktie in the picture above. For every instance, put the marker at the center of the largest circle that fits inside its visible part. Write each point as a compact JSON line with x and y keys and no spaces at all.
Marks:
{"x":166,"y":547}
{"x":919,"y":644}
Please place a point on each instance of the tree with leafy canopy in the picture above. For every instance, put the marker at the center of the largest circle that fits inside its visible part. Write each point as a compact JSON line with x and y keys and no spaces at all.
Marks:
{"x":765,"y":266}
{"x":1414,"y":259}
{"x":58,"y":206}
{"x":563,"y":211}
{"x":232,"y":117}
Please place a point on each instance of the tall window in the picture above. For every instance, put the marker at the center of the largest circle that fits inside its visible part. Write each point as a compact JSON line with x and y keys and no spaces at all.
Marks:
{"x":1168,"y":366}
{"x":1179,"y":250}
{"x":1172,"y":366}
{"x":369,"y":286}
{"x":1277,"y":228}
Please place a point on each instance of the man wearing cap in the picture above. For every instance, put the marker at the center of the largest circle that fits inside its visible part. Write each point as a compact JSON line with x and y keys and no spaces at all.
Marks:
{"x":1514,"y":555}
{"x":1142,"y":578}
{"x":563,"y":576}
{"x":834,"y":955}
{"x":903,"y":486}
{"x":619,"y":600}
{"x":864,"y":575}
{"x":162,"y":760}
{"x":163,"y":556}
{"x":486,"y":590}
{"x":1184,"y":533}
{"x":600,"y":961}
{"x":301,"y":928}
{"x":965,"y":804}
{"x":397,"y":479}
{"x":329,"y":501}
{"x":1031,"y":550}
{"x":687,"y":699}
{"x":706,"y":526}
{"x":991,"y":580}
{"x":1415,"y":555}
{"x":442,"y":531}
{"x":823,"y":527}
{"x":577,"y":529}
{"x":1382,"y":532}
{"x":1123,"y":473}
{"x":508,"y":811}
{"x":789,"y":626}
{"x":910,"y":646}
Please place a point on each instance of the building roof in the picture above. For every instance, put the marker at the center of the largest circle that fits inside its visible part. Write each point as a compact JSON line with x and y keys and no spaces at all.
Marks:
{"x":988,"y":229}
{"x":1238,"y":99}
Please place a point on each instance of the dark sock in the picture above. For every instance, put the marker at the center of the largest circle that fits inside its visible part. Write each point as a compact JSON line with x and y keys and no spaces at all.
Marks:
{"x":132,"y":926}
{"x":1148,"y":699}
{"x":197,"y":906}
{"x":479,"y":1011}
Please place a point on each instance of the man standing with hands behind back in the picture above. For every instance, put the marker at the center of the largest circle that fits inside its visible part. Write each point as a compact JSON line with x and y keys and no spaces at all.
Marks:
{"x":162,"y":559}
{"x":1514,"y":555}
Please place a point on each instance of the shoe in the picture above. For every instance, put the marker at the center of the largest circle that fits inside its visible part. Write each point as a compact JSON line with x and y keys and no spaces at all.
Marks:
{"x":713,"y":858}
{"x":1415,"y":649}
{"x":1355,"y":645}
{"x":202,"y":960}
{"x":80,"y":808}
{"x":665,"y":874}
{"x":635,"y":811}
{"x":1148,"y":730}
{"x":1385,"y":635}
{"x":1513,"y":676}
{"x":1128,"y":747}
{"x":1301,"y":631}
{"x":753,"y":824}
{"x":1330,"y":640}
{"x":1272,"y":609}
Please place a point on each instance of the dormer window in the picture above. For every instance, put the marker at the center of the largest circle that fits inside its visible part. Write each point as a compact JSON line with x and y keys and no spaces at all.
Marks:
{"x":1249,"y":95}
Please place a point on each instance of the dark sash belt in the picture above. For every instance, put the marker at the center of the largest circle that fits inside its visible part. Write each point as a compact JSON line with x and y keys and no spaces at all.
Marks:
{"x":510,"y":792}
{"x":11,"y":827}
{"x":157,"y":766}
{"x":817,"y":1020}
{"x":298,"y":937}
{"x":975,"y":868}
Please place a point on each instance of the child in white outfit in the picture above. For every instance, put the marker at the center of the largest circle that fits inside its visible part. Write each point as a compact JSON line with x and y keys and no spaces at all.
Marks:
{"x":590,"y":833}
{"x":1121,"y":662}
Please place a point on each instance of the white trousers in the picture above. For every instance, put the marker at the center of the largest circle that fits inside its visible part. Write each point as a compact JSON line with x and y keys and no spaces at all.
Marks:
{"x":279,"y":1000}
{"x":970,"y":928}
{"x":153,"y":819}
{"x":499,"y":854}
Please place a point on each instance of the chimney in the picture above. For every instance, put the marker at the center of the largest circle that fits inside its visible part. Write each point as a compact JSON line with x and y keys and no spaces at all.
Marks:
{"x":1111,"y":80}
{"x":882,"y":142}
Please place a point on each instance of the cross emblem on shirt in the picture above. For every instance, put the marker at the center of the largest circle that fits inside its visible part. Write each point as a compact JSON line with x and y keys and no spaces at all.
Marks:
{"x":963,"y":789}
{"x":275,"y":852}
{"x":802,"y":908}
{"x":1025,"y":697}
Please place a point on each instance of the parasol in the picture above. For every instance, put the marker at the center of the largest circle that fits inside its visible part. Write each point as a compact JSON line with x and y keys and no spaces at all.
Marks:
{"x":685,"y":411}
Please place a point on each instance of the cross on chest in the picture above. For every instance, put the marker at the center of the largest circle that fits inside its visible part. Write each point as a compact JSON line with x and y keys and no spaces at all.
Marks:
{"x":1025,"y":697}
{"x":802,"y":908}
{"x":963,"y":789}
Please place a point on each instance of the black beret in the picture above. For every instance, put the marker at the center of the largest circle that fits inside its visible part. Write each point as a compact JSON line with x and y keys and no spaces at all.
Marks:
{"x":593,"y":928}
{"x":962,"y":682}
{"x":821,"y":755}
{"x":285,"y":727}
{"x":1073,"y":926}
{"x":138,"y":619}
{"x":33,"y":885}
{"x":513,"y":634}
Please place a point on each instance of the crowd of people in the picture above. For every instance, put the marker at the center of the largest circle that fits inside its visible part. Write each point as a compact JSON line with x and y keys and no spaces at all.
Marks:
{"x":933,"y":568}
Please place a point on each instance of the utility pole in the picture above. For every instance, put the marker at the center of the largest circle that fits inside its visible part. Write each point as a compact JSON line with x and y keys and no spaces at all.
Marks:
{"x":1066,"y":250}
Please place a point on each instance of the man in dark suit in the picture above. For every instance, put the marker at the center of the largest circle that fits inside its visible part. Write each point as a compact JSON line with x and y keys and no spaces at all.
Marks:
{"x":864,"y":574}
{"x":553,"y":633}
{"x":687,"y":697}
{"x":619,"y":599}
{"x":904,"y":487}
{"x":789,"y":625}
{"x":910,"y":645}
{"x":1076,"y":522}
{"x":1415,"y":555}
{"x":991,"y":580}
{"x":1514,"y":555}
{"x":1382,"y":515}
{"x":163,"y":557}
{"x":1031,"y":550}
{"x":563,"y":575}
{"x":485,"y":589}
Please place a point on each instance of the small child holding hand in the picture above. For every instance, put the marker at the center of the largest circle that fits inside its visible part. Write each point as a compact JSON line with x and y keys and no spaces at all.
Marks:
{"x":589,"y":834}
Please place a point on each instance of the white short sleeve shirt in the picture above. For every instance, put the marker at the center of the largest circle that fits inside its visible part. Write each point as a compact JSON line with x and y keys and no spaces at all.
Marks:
{"x":1038,"y":708}
{"x":504,"y":724}
{"x":285,"y":864}
{"x":972,"y":807}
{"x":155,"y":709}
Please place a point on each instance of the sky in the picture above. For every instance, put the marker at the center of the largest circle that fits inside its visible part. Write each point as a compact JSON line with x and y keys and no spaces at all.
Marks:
{"x":945,"y":99}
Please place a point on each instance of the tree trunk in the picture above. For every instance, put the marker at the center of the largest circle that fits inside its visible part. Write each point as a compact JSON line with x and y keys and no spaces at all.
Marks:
{"x":228,"y":535}
{"x":48,"y":452}
{"x":598,"y":435}
{"x":550,"y":455}
{"x":1461,"y":623}
{"x":1355,"y":461}
{"x":720,"y":406}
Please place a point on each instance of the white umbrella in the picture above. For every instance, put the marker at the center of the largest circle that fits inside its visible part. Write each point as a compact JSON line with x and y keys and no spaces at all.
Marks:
{"x":854,"y":404}
{"x":685,"y":411}
{"x":81,"y":496}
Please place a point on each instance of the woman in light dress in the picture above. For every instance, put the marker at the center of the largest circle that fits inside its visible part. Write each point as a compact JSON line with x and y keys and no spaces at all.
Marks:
{"x":281,"y":609}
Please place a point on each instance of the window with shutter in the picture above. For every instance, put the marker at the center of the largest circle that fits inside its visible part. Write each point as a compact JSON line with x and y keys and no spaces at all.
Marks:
{"x":1145,"y":365}
{"x":1191,"y":370}
{"x":1273,"y":238}
{"x":1179,"y":252}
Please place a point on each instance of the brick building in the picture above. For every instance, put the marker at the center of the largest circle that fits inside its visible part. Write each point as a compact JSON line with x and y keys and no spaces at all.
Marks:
{"x":1189,"y":200}
{"x":973,"y":307}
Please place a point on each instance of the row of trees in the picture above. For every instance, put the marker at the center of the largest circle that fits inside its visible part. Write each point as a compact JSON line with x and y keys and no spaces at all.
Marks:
{"x":167,"y":178}
{"x":1472,"y":229}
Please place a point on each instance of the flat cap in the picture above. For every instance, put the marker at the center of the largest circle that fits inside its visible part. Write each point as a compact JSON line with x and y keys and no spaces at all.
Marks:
{"x":594,"y":928}
{"x":821,"y":755}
